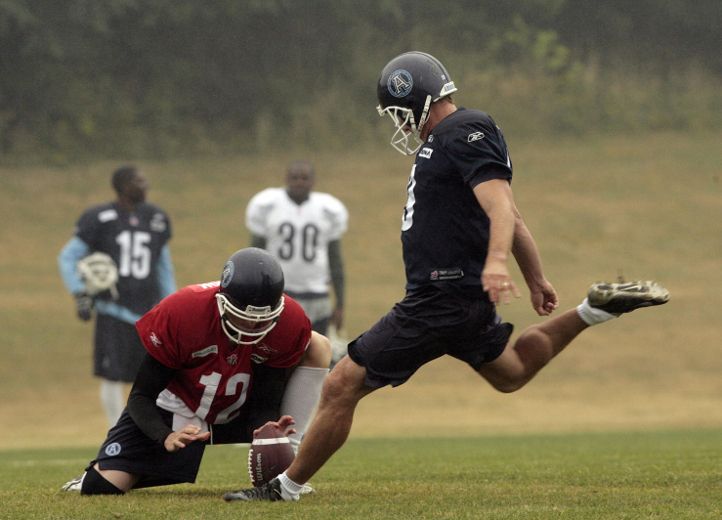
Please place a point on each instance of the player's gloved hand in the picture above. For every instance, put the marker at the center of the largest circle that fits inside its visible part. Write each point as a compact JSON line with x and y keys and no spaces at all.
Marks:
{"x":83,"y":306}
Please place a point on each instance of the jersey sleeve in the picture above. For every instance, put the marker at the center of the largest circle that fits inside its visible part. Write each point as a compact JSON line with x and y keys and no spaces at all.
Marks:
{"x":479,"y":152}
{"x":163,"y":216}
{"x":72,"y":252}
{"x":296,"y":336}
{"x":337,"y":215}
{"x":292,"y":356}
{"x":88,"y":227}
{"x":158,"y":331}
{"x":166,"y":272}
{"x":257,"y":212}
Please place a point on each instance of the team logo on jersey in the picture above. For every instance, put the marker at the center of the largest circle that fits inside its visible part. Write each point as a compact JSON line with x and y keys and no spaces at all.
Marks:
{"x":113,"y":449}
{"x":426,"y":152}
{"x":400,"y":83}
{"x":155,"y":340}
{"x":475,"y":136}
{"x":232,"y":359}
{"x":157,"y":223}
{"x":227,"y":274}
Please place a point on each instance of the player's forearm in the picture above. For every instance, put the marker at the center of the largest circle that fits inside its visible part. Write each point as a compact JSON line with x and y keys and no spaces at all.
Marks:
{"x":496,"y":200}
{"x":335,"y":263}
{"x":501,"y":232}
{"x":145,"y":414}
{"x":151,"y":380}
{"x":264,"y":400}
{"x":526,"y":253}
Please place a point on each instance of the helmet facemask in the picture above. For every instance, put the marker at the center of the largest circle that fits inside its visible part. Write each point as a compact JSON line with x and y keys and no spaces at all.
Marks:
{"x":250,"y":314}
{"x":407,"y":138}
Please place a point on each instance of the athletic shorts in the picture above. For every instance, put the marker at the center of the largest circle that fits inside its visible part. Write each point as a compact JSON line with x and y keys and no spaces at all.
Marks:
{"x":117,"y":352}
{"x":428,"y":323}
{"x":128,"y":449}
{"x":317,"y":307}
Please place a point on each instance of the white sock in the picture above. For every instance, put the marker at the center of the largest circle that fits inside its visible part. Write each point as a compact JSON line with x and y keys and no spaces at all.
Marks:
{"x":111,"y":397}
{"x":591,"y":315}
{"x":289,"y":489}
{"x":300,"y":399}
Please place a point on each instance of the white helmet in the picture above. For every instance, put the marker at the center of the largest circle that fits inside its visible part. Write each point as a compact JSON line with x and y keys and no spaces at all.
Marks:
{"x":99,"y":273}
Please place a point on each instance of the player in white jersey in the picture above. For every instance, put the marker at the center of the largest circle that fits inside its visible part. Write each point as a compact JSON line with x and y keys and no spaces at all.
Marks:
{"x":303,"y":229}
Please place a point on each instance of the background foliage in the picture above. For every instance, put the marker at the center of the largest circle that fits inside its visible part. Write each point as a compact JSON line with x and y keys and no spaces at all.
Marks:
{"x":162,"y":78}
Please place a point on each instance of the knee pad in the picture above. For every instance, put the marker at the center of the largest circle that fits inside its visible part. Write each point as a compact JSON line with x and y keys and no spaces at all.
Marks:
{"x":95,"y":484}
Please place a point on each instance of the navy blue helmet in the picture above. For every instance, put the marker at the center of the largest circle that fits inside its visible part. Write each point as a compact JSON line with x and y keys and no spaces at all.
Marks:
{"x":408,"y":85}
{"x":251,"y":290}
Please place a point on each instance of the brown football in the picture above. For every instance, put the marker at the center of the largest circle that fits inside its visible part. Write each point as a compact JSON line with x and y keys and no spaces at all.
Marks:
{"x":270,"y":454}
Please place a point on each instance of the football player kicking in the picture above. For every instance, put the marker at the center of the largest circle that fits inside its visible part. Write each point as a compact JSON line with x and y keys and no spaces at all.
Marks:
{"x":223,"y":358}
{"x":459,"y":228}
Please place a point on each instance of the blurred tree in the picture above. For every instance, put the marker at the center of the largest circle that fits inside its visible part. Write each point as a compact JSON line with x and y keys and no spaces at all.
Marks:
{"x":161,"y":77}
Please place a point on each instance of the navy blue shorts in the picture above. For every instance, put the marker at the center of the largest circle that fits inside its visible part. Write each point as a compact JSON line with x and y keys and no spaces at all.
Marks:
{"x":128,"y":449}
{"x":429,"y":323}
{"x":118,"y":351}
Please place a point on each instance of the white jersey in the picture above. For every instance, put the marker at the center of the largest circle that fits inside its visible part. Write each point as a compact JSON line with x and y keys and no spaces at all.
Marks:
{"x":298,"y":235}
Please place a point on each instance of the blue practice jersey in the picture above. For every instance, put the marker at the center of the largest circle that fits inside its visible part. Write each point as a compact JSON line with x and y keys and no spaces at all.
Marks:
{"x":444,"y":231}
{"x":135,"y":241}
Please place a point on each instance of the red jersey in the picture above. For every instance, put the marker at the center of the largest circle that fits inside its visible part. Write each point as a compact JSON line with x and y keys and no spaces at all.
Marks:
{"x":214,"y":375}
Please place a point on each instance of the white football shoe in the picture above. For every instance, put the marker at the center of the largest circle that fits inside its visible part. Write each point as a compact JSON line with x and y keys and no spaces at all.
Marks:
{"x":74,"y":485}
{"x":307,"y":489}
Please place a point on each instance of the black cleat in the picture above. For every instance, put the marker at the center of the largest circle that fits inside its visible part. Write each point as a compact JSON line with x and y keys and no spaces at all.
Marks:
{"x":270,"y":492}
{"x":618,"y":298}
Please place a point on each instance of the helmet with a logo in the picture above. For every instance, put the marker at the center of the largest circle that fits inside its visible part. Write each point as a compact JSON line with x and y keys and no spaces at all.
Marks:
{"x":250,"y":298}
{"x":408,"y":85}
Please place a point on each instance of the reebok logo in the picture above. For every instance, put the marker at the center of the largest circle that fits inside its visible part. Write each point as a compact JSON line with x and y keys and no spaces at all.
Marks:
{"x":475,"y":136}
{"x":155,"y":340}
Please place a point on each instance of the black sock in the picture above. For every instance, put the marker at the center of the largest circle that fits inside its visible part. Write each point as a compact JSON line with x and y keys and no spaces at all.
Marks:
{"x":95,"y":484}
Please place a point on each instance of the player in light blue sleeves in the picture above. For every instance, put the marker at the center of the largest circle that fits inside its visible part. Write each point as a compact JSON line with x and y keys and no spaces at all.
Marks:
{"x":118,"y":266}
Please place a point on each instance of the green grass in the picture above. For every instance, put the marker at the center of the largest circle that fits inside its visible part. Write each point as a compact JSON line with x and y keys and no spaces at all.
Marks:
{"x":675,"y":475}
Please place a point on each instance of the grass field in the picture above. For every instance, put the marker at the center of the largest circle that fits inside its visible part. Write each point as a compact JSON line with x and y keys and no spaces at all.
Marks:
{"x":661,"y":475}
{"x":647,"y":206}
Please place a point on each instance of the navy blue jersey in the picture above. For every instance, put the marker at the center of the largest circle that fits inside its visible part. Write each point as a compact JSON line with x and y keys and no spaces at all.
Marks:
{"x":134,"y":241}
{"x":444,"y":231}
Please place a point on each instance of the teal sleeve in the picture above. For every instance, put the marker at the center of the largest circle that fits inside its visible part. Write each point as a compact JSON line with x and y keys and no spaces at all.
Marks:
{"x":166,"y":273}
{"x":72,"y":252}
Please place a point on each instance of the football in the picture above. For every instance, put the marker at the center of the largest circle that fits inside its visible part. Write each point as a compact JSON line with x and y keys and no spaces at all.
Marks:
{"x":270,"y":454}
